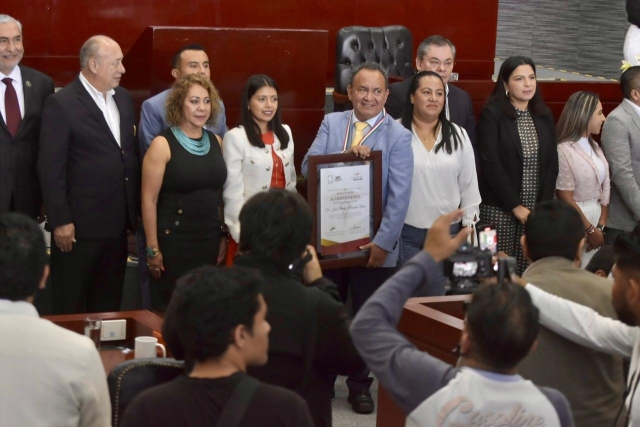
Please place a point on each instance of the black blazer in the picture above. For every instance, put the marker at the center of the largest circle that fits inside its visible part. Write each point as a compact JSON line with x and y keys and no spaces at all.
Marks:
{"x":19,"y":154}
{"x":88,"y":179}
{"x":460,"y":106}
{"x":501,"y":158}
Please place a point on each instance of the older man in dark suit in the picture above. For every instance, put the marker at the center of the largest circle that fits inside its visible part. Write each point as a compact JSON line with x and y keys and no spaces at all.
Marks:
{"x":23,"y":91}
{"x":89,"y":172}
{"x":437,"y":54}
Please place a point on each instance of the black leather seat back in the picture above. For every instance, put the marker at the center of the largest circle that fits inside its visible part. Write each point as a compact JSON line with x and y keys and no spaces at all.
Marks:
{"x":391,"y":46}
{"x":130,"y":378}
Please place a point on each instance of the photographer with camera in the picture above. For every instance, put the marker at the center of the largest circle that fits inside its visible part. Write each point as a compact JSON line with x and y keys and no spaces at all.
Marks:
{"x":500,"y":330}
{"x":592,"y":381}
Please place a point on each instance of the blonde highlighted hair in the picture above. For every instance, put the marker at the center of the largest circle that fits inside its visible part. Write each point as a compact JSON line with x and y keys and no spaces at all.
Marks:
{"x":178,"y":94}
{"x":574,"y":120}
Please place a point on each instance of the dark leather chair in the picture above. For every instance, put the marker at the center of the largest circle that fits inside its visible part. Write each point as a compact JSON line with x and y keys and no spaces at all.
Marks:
{"x":130,"y":378}
{"x":391,"y":46}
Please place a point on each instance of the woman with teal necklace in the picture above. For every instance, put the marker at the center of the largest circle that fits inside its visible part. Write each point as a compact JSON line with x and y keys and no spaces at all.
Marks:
{"x":183,"y":174}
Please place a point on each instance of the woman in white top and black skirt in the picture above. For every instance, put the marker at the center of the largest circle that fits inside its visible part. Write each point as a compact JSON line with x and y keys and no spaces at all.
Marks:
{"x":444,"y":171}
{"x":583,"y":179}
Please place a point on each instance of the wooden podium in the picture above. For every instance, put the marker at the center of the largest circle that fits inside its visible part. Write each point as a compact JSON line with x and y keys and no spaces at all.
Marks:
{"x":434,"y":325}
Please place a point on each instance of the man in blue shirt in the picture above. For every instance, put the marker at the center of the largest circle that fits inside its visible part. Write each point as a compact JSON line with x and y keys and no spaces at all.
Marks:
{"x":190,"y":59}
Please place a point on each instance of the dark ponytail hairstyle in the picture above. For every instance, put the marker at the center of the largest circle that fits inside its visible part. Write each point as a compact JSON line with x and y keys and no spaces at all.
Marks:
{"x":256,"y":82}
{"x":449,"y":132}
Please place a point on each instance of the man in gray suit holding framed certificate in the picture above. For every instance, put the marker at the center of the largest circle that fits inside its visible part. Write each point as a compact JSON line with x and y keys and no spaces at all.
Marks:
{"x":621,"y":145}
{"x":359,"y":131}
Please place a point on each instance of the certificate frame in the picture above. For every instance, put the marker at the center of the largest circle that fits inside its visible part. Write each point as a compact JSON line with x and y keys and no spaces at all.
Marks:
{"x":313,"y":189}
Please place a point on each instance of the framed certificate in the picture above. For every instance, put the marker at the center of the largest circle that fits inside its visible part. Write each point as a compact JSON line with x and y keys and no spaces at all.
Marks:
{"x":345,"y":194}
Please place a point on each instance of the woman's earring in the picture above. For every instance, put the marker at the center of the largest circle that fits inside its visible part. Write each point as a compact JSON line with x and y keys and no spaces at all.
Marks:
{"x":506,"y":92}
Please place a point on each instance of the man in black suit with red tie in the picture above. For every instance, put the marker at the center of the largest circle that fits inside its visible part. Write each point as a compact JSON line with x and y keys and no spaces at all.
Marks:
{"x":437,"y":53}
{"x":89,"y":171}
{"x":23,"y":91}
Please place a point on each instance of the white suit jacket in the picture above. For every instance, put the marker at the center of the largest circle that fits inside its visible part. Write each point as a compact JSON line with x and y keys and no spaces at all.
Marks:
{"x":249,"y":171}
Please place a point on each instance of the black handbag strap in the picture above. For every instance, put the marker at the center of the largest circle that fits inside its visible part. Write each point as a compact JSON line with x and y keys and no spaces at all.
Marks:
{"x":237,"y":405}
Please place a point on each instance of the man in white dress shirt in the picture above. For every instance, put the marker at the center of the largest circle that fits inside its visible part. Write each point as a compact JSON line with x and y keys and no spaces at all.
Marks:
{"x":89,"y":171}
{"x":49,"y":376}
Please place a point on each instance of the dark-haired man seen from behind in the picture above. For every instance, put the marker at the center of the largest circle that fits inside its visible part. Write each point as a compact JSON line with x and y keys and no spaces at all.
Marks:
{"x":310,"y":340}
{"x":602,"y":262}
{"x":49,"y":376}
{"x":220,"y":320}
{"x":437,"y":54}
{"x":500,"y":330}
{"x":23,"y":91}
{"x":592,"y":381}
{"x":586,"y":327}
{"x":621,"y":146}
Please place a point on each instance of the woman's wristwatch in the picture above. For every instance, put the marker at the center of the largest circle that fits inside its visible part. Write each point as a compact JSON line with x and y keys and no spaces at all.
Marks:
{"x":601,"y":228}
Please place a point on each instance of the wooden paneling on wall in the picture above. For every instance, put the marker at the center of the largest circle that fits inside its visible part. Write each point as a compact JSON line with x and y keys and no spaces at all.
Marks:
{"x":300,"y":77}
{"x":554,"y":93}
{"x":55,"y":30}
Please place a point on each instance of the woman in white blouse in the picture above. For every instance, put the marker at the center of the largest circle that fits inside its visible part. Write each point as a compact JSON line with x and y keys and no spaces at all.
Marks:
{"x":444,"y":171}
{"x":583,"y":179}
{"x":258,"y":154}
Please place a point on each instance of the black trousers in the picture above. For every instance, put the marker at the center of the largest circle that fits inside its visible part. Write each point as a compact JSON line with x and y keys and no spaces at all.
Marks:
{"x":90,"y":278}
{"x":611,"y":234}
{"x":360,"y":283}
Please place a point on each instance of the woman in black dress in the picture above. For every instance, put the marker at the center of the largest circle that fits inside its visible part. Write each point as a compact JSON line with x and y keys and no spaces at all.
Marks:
{"x":183,"y":174}
{"x":518,"y":155}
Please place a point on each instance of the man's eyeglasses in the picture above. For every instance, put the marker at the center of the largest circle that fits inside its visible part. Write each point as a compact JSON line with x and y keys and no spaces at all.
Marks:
{"x":436,"y":64}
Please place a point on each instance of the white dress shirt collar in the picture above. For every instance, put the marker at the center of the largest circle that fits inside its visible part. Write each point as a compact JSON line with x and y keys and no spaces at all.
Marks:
{"x":21,"y":308}
{"x":16,"y":76}
{"x":635,"y":107}
{"x":446,"y":88}
{"x":371,"y":122}
{"x":95,"y":93}
{"x":106,"y":104}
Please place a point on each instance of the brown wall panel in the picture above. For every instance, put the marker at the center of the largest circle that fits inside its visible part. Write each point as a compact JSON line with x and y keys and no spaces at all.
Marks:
{"x":301,"y":94}
{"x":55,"y":30}
{"x":554,"y":93}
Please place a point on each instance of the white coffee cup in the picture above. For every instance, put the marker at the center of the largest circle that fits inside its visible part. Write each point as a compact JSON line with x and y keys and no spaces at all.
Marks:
{"x":146,"y":348}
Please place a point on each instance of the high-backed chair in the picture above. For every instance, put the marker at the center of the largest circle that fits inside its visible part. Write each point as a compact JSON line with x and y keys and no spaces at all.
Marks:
{"x":391,"y":46}
{"x":130,"y":378}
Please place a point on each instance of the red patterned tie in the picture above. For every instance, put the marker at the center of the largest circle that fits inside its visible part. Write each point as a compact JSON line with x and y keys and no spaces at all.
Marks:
{"x":11,"y":107}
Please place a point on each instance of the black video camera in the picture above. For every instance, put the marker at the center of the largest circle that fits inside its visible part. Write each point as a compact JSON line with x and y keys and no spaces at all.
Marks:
{"x":469,"y":264}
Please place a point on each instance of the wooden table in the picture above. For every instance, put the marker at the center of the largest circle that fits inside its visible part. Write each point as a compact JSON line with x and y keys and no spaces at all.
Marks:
{"x":139,"y":323}
{"x":434,"y":325}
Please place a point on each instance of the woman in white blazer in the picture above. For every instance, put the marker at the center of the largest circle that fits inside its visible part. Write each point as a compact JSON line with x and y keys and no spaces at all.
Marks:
{"x":258,"y":154}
